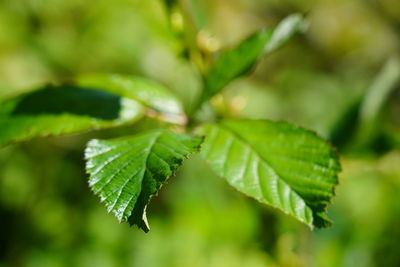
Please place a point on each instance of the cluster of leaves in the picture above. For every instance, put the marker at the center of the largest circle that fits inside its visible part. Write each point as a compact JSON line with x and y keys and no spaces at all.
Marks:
{"x":279,"y":164}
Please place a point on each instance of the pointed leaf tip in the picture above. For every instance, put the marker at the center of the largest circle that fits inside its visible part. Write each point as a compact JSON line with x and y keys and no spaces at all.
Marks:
{"x":277,"y":163}
{"x":126,"y":172}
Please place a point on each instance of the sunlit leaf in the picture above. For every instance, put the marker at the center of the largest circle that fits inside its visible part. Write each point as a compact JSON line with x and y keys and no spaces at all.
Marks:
{"x":278,"y":164}
{"x":98,"y":101}
{"x":241,"y":59}
{"x":149,"y":93}
{"x":234,"y":63}
{"x":63,"y":110}
{"x":126,"y":172}
{"x":290,"y":26}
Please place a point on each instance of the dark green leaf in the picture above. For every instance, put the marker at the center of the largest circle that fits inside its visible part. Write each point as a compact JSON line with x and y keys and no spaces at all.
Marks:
{"x":149,"y":93}
{"x":126,"y":172}
{"x":276,"y":163}
{"x":241,"y":59}
{"x":99,"y":101}
{"x":63,"y":110}
{"x":234,"y":63}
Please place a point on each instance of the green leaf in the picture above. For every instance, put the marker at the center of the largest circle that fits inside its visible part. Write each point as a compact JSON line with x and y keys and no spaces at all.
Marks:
{"x":234,"y":63}
{"x":241,"y":59}
{"x":63,"y":110}
{"x":278,"y":164}
{"x":126,"y":172}
{"x":290,"y":26}
{"x":149,"y":93}
{"x":370,"y":116}
{"x":99,"y":101}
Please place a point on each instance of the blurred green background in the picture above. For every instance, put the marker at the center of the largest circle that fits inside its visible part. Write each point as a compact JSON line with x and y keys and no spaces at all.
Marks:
{"x":341,"y":78}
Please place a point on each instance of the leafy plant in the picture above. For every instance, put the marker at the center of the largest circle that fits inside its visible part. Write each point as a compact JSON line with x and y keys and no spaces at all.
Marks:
{"x":278,"y":164}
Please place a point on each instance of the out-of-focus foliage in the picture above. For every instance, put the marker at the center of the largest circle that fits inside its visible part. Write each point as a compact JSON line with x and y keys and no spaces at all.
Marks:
{"x":48,"y":217}
{"x":238,"y":61}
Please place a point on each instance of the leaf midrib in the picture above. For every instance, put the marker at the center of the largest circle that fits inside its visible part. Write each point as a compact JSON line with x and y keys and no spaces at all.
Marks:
{"x":261,"y":161}
{"x":243,"y":141}
{"x":151,"y":145}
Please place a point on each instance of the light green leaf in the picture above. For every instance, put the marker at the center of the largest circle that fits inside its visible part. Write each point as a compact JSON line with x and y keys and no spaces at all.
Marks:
{"x":126,"y":172}
{"x":241,"y":59}
{"x":278,"y":164}
{"x":374,"y":102}
{"x":290,"y":26}
{"x":63,"y":110}
{"x":149,"y":93}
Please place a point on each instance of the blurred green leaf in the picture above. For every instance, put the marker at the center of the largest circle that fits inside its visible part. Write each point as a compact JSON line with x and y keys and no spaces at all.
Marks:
{"x":278,"y":164}
{"x":127,"y":172}
{"x":374,"y":102}
{"x":241,"y":59}
{"x":234,"y":63}
{"x":290,"y":26}
{"x":149,"y":93}
{"x":63,"y":110}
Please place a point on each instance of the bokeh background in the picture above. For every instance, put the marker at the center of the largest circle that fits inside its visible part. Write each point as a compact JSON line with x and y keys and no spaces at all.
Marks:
{"x":340,"y":78}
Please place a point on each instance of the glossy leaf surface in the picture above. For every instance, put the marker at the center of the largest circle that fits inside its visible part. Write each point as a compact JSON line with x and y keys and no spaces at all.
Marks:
{"x":63,"y":110}
{"x":126,"y":172}
{"x":278,"y":164}
{"x":149,"y":93}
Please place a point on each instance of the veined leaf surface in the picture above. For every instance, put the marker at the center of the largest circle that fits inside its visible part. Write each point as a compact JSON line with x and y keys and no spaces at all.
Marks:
{"x":126,"y":172}
{"x":278,"y":164}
